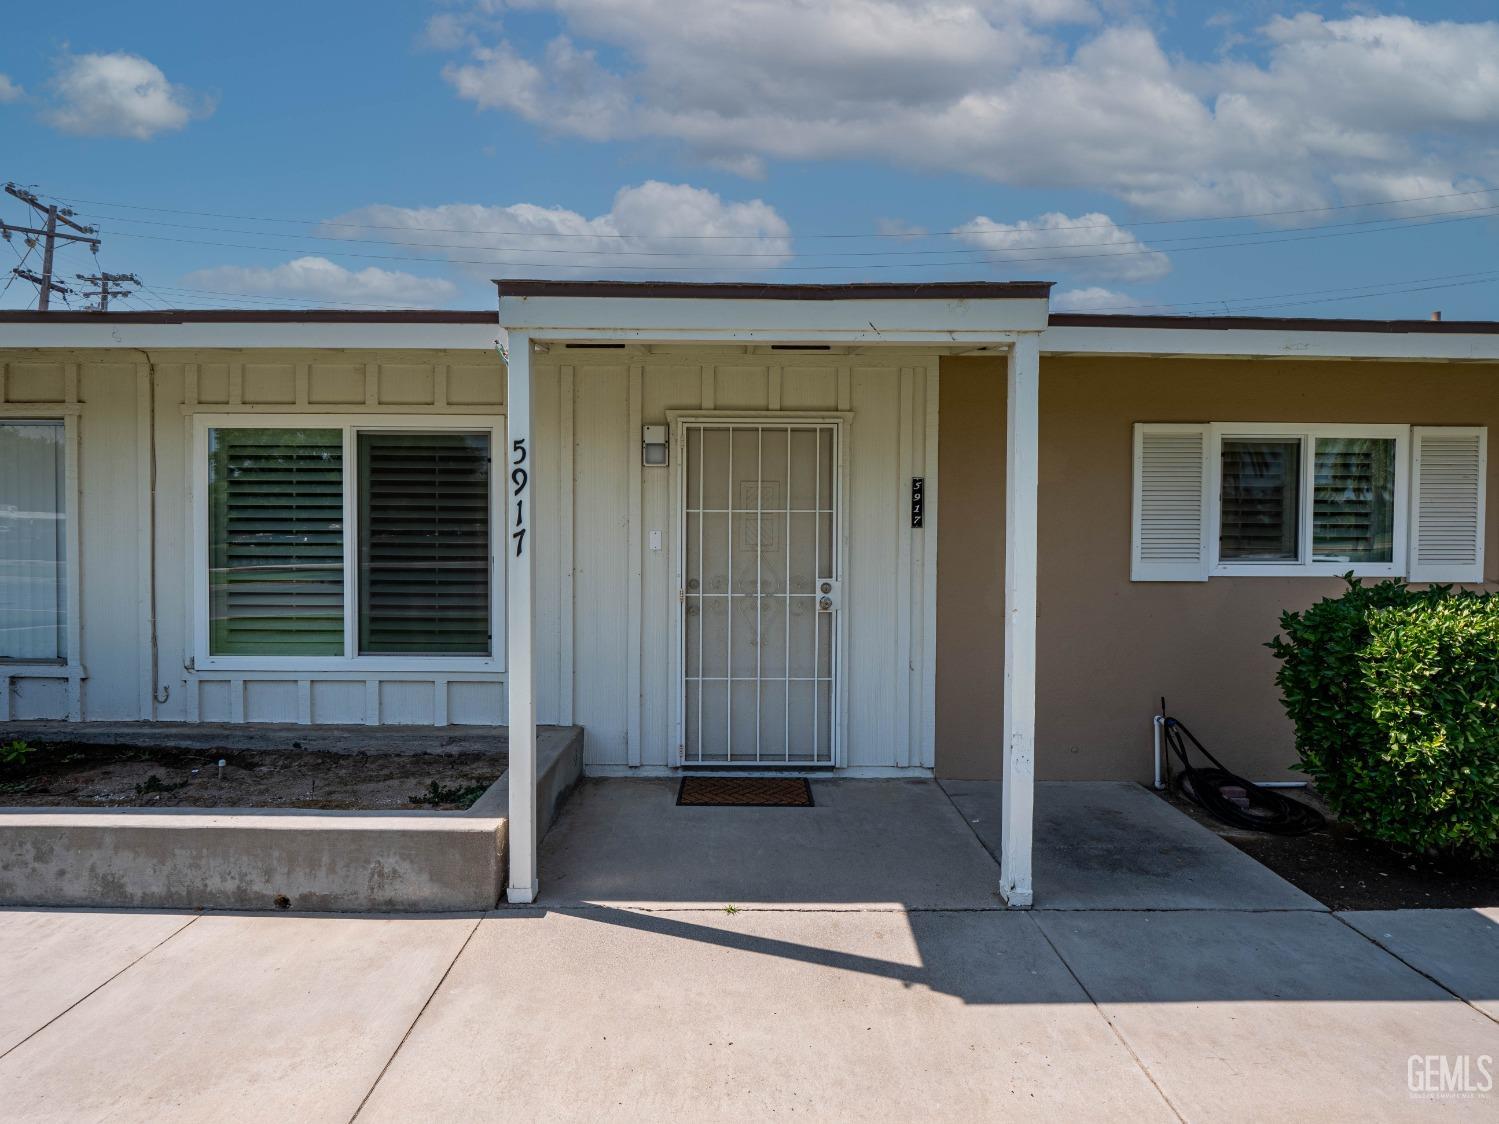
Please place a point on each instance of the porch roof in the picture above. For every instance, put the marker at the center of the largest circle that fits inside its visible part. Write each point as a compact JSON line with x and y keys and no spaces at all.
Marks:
{"x":733,"y":290}
{"x":958,"y":313}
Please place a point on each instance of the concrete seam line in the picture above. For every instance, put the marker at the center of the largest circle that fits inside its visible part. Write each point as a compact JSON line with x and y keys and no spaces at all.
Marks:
{"x":1118,"y":1034}
{"x":375,"y":1084}
{"x":584,"y":907}
{"x":942,"y":788}
{"x":95,"y":990}
{"x":1379,"y":944}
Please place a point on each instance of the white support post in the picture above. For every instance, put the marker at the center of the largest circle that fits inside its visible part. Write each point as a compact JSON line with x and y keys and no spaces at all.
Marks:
{"x":518,"y":541}
{"x":1022,"y":459}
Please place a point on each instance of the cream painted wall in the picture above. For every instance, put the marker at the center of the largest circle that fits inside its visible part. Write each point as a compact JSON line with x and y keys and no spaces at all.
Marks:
{"x":606,"y":603}
{"x":111,"y":393}
{"x":624,"y":690}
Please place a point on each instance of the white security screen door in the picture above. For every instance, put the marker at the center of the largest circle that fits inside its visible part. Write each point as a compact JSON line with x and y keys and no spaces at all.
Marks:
{"x":760,"y":593}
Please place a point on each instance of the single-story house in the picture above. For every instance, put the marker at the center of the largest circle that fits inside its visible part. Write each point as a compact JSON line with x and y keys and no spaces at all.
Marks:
{"x":870,"y":530}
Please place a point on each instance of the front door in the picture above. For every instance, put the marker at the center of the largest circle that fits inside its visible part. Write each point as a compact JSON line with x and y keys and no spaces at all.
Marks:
{"x":760,"y":593}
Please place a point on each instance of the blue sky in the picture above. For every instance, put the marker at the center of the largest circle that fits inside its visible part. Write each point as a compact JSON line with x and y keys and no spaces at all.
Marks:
{"x":400,"y":153}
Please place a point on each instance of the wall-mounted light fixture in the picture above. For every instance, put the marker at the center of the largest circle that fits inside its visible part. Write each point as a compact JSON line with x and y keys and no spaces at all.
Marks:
{"x":653,"y":445}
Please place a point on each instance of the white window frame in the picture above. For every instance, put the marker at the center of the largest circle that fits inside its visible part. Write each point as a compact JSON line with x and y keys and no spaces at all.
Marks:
{"x":71,"y":660}
{"x":1307,"y":566}
{"x":351,"y":425}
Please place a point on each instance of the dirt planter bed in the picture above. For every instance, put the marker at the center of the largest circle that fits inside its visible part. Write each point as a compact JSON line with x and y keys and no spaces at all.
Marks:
{"x":1346,"y":872}
{"x":346,"y":860}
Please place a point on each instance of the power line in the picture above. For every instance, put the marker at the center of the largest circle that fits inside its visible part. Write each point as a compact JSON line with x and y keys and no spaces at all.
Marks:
{"x":108,"y":286}
{"x":1210,"y":306}
{"x":698,"y":267}
{"x":1273,"y":304}
{"x":1397,"y":222}
{"x":272,"y":298}
{"x":1352,"y":292}
{"x":1245,"y":216}
{"x":48,"y":235}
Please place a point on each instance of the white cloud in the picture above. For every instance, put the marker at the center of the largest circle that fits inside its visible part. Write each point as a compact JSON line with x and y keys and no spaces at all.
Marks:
{"x":1428,"y":194}
{"x":460,"y":24}
{"x":652,"y":224}
{"x":10,"y":91}
{"x":318,"y":279}
{"x":994,"y":88}
{"x":445,"y":31}
{"x":1094,"y":299}
{"x":119,"y":95}
{"x":1090,"y":245}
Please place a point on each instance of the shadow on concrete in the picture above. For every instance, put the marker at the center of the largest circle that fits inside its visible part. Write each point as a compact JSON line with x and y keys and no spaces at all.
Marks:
{"x":1139,"y":902}
{"x":1180,"y":957}
{"x":915,"y":844}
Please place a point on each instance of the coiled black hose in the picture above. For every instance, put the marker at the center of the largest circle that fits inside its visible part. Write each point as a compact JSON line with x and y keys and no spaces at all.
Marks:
{"x":1268,"y":810}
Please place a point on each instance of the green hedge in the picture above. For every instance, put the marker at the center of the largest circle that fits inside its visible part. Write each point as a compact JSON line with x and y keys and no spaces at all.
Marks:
{"x":1395,"y":695}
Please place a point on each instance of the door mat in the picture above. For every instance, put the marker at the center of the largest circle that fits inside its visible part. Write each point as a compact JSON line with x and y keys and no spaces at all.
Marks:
{"x":745,"y":792}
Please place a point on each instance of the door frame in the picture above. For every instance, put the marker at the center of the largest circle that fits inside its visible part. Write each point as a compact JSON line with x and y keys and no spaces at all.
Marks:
{"x":842,"y":423}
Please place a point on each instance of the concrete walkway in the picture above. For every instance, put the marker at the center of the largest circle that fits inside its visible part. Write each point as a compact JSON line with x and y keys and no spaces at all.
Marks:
{"x":876,"y":978}
{"x":1113,"y":845}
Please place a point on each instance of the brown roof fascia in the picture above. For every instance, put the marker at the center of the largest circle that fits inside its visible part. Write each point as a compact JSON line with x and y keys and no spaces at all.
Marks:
{"x":1273,"y":324}
{"x":727,"y":290}
{"x":255,"y":316}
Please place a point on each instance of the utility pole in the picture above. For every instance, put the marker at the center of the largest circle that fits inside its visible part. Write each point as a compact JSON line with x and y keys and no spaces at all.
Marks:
{"x":49,"y":235}
{"x":108,"y":286}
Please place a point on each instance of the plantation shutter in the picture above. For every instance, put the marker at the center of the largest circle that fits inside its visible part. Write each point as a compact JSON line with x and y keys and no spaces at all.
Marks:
{"x":1447,"y":504}
{"x":1353,"y":499}
{"x":1171,"y":508}
{"x":424,"y":550}
{"x":1259,"y":487}
{"x":276,"y":542}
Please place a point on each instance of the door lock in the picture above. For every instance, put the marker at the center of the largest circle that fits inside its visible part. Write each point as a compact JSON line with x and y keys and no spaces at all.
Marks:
{"x":827,"y":595}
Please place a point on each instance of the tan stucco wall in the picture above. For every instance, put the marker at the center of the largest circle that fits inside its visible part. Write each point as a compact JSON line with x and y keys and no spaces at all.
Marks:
{"x":1109,"y":648}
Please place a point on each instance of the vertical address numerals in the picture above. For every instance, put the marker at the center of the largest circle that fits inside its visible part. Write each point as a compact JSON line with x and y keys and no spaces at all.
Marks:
{"x":520,"y":477}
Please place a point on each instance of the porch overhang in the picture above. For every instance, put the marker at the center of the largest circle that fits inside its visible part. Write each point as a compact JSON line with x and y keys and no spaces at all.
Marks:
{"x":946,"y":317}
{"x":940,"y":314}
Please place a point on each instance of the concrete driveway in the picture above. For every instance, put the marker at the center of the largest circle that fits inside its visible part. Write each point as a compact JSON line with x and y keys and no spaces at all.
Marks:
{"x":846,"y":962}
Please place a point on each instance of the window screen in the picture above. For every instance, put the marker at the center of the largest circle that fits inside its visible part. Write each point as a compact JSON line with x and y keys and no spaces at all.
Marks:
{"x":33,"y":562}
{"x":1261,"y":481}
{"x":275,"y":512}
{"x":424,"y":554}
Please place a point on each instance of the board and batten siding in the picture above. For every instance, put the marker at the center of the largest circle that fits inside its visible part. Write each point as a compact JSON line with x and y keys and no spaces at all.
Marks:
{"x":605,"y":601}
{"x":624,"y":599}
{"x":133,"y":408}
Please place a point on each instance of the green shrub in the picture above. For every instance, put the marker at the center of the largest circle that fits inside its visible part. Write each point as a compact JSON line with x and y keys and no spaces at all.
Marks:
{"x":1395,"y":695}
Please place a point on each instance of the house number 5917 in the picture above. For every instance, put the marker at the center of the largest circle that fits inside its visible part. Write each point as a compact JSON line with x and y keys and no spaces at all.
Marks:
{"x":519,"y":477}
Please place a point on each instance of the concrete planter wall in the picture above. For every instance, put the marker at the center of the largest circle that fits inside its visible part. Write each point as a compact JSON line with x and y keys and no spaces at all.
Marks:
{"x":255,"y":859}
{"x":252,"y":860}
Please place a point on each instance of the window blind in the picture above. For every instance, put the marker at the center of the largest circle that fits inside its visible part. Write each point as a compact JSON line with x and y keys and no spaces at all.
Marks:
{"x":1260,"y":484}
{"x":1353,"y":500}
{"x":424,"y":543}
{"x":32,"y":543}
{"x":276,"y":542}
